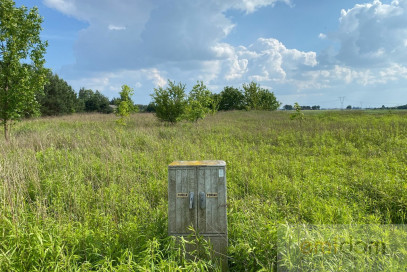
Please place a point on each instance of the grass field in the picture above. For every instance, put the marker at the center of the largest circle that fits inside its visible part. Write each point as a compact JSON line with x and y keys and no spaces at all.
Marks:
{"x":81,"y":193}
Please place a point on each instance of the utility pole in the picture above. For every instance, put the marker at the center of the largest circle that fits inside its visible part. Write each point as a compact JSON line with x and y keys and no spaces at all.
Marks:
{"x":341,"y":99}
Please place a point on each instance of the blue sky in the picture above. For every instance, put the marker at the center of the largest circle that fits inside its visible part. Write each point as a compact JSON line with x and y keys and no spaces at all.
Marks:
{"x":306,"y":51}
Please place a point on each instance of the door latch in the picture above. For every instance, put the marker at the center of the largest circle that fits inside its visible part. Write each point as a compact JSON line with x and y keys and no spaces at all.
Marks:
{"x":202,"y":200}
{"x":191,"y":200}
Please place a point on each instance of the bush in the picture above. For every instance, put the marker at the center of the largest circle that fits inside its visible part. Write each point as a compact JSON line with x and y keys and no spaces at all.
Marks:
{"x":298,"y":114}
{"x":125,"y":105}
{"x":93,"y":101}
{"x":170,"y":103}
{"x":150,"y":108}
{"x":257,"y":98}
{"x":231,"y":99}
{"x":199,"y":102}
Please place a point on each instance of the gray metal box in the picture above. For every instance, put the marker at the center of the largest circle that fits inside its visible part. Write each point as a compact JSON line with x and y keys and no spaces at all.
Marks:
{"x":197,"y":197}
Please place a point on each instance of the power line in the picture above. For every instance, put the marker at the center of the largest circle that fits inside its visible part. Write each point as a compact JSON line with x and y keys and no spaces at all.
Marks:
{"x":342,"y":99}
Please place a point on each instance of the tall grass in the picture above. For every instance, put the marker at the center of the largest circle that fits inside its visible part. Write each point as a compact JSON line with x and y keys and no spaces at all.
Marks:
{"x":80,"y":193}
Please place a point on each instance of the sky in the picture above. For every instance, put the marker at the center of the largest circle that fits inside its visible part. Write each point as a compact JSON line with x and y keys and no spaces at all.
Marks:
{"x":314,"y":52}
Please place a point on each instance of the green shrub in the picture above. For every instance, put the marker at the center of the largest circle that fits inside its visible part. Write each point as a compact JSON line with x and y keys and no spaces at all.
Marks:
{"x":231,"y":99}
{"x":125,"y":104}
{"x":257,"y":98}
{"x":199,"y":102}
{"x":170,"y":103}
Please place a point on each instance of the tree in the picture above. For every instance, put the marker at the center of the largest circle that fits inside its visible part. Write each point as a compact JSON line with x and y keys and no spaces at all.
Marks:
{"x":251,"y":96}
{"x":19,"y":80}
{"x":126,"y":105}
{"x":101,"y":103}
{"x":115,"y":101}
{"x":150,"y":107}
{"x":170,"y":103}
{"x":87,"y":100}
{"x":267,"y":100}
{"x":215,"y":101}
{"x":125,"y":100}
{"x":58,"y":97}
{"x":257,"y":98}
{"x":231,"y":99}
{"x":288,"y":107}
{"x":349,"y":107}
{"x":199,"y":102}
{"x":93,"y":101}
{"x":298,"y":114}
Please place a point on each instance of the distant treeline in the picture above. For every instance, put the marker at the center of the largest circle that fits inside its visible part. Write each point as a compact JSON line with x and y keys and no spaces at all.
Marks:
{"x":59,"y":98}
{"x":403,"y":107}
{"x":290,"y":107}
{"x":383,"y":107}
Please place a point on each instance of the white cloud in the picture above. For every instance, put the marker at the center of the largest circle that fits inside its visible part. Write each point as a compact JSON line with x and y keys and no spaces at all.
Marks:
{"x":373,"y":34}
{"x":64,"y":6}
{"x":394,"y":72}
{"x":237,"y":68}
{"x":322,"y":36}
{"x":94,"y":82}
{"x":114,"y":27}
{"x":155,"y":76}
{"x":266,"y":60}
{"x":144,"y":42}
{"x":252,"y":5}
{"x":344,"y":75}
{"x":178,"y":40}
{"x":143,"y":81}
{"x":371,"y":51}
{"x":155,"y":31}
{"x":223,"y":50}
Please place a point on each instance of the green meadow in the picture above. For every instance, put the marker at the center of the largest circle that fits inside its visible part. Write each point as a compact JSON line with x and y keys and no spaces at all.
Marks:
{"x":82,"y":193}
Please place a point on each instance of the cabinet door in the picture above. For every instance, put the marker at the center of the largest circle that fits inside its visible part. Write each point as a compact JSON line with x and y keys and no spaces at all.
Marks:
{"x":182,"y":200}
{"x":212,"y":200}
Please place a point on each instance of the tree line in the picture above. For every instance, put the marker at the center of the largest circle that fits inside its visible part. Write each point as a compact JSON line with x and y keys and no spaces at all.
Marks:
{"x":58,"y":98}
{"x":170,"y":104}
{"x":291,"y":107}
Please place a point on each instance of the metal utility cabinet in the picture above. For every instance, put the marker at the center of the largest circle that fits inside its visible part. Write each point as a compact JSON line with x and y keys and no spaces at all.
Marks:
{"x":197,"y":198}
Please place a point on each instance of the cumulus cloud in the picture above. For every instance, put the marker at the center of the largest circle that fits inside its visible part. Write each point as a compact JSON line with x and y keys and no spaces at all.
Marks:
{"x":144,"y":42}
{"x":339,"y":75}
{"x":177,"y":39}
{"x":133,"y":34}
{"x":373,"y":34}
{"x":266,"y":60}
{"x":372,"y":48}
{"x":155,"y":76}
